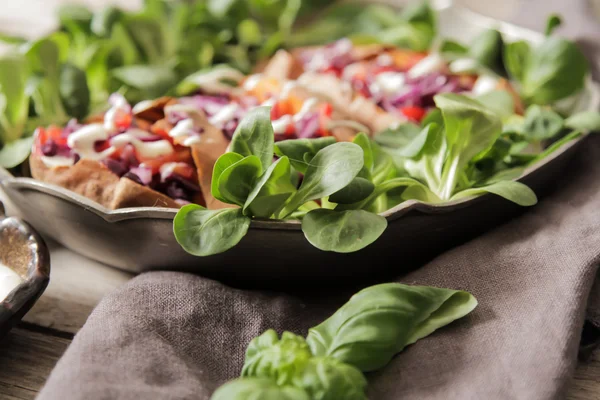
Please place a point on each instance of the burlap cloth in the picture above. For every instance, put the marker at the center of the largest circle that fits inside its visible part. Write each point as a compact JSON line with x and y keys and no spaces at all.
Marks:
{"x":168,"y":335}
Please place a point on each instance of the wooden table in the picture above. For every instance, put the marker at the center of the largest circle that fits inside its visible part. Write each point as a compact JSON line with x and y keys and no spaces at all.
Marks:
{"x":30,"y":351}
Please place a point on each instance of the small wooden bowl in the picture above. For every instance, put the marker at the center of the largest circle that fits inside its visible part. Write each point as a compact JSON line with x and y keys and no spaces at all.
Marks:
{"x":25,"y":252}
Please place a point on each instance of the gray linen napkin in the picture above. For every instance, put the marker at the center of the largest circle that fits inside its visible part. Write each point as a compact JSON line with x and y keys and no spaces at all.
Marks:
{"x":177,"y":336}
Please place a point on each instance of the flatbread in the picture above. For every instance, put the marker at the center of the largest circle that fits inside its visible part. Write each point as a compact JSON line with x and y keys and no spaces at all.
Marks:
{"x":205,"y":154}
{"x":93,"y":180}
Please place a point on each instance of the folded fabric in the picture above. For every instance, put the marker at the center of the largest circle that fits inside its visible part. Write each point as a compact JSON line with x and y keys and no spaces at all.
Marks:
{"x":178,"y":336}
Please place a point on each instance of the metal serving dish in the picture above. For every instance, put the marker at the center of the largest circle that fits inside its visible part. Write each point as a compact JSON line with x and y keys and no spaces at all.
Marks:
{"x":141,"y":239}
{"x":23,"y":251}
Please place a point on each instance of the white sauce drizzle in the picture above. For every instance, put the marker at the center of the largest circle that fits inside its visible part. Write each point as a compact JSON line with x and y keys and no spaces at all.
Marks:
{"x":432,"y":63}
{"x":111,"y":114}
{"x":144,"y":149}
{"x":185,"y":130}
{"x":484,"y":84}
{"x":82,"y":142}
{"x":463,"y":65}
{"x":390,"y":82}
{"x":252,"y":81}
{"x":280,"y":125}
{"x":225,"y":114}
{"x":9,"y":280}
{"x":141,"y":106}
{"x":57,"y":161}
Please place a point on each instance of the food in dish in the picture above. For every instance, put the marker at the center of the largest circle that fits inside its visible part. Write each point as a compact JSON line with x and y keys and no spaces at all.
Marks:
{"x":331,"y":135}
{"x":9,"y":280}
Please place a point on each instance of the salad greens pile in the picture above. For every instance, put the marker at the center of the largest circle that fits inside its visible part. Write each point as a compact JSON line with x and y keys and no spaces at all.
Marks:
{"x":142,"y":54}
{"x":362,"y":336}
{"x":345,"y":186}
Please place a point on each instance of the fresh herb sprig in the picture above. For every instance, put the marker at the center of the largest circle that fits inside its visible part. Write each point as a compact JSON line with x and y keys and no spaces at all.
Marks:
{"x":362,"y":336}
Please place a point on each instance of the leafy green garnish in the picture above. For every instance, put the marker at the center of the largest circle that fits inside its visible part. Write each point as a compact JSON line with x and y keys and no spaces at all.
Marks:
{"x":363,"y":335}
{"x":203,"y":232}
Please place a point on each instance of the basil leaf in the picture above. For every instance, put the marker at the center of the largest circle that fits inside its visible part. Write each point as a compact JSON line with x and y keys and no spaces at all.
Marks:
{"x":326,"y":378}
{"x":203,"y":232}
{"x":74,"y":91}
{"x":301,"y":151}
{"x":268,"y":356}
{"x":515,"y":58}
{"x":514,"y":191}
{"x":586,"y":121}
{"x":271,"y":191}
{"x":553,"y":71}
{"x":14,"y":153}
{"x":554,"y":21}
{"x":331,"y":169}
{"x":258,"y":388}
{"x":236,"y":182}
{"x":342,"y":231}
{"x":541,"y":123}
{"x":225,"y":161}
{"x":357,"y":190}
{"x":254,"y":136}
{"x":380,"y":321}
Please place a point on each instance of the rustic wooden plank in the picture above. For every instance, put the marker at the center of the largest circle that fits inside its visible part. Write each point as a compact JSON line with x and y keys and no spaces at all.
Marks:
{"x":586,"y":381}
{"x":26,"y":360}
{"x":76,"y":286}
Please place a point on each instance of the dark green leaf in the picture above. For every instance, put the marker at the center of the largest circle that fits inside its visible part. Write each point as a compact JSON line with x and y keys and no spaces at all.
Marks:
{"x":258,"y":388}
{"x":254,"y":136}
{"x":301,"y":151}
{"x":380,"y":321}
{"x":69,"y":14}
{"x":586,"y":121}
{"x":554,"y":146}
{"x":554,"y":21}
{"x":268,"y":356}
{"x":271,"y":191}
{"x":541,"y":123}
{"x":237,"y":181}
{"x":74,"y":91}
{"x":14,"y":153}
{"x":331,"y":169}
{"x":553,"y":71}
{"x":203,"y":232}
{"x":515,"y":57}
{"x":223,"y":162}
{"x":450,"y":46}
{"x":342,"y":231}
{"x":487,"y":49}
{"x":357,"y":190}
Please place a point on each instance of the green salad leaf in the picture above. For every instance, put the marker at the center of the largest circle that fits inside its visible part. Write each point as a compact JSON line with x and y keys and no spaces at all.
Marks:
{"x":203,"y":232}
{"x":326,"y":378}
{"x":254,"y":136}
{"x":237,"y":181}
{"x":342,"y":231}
{"x":271,"y":191}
